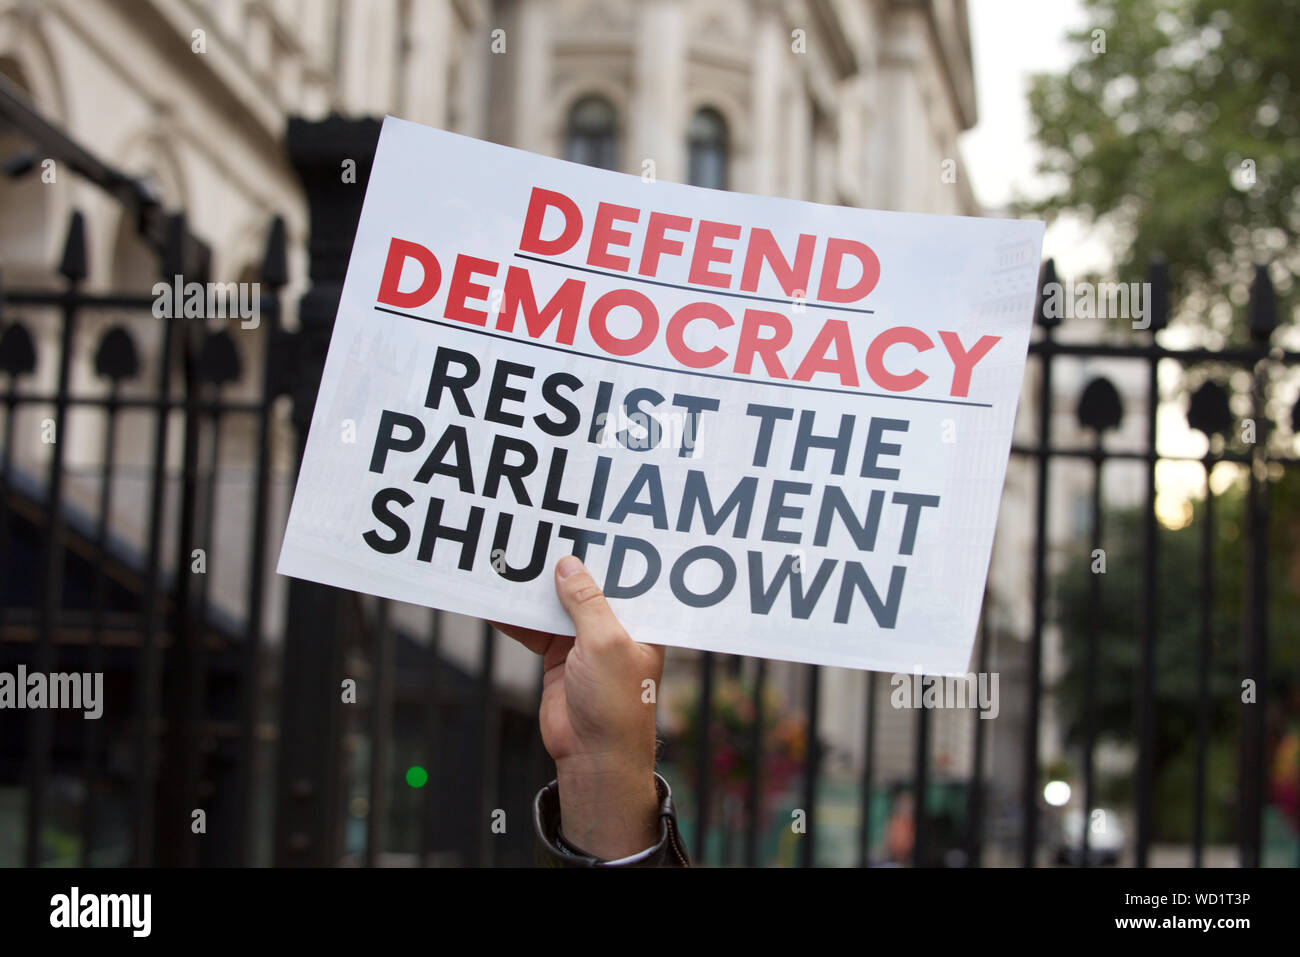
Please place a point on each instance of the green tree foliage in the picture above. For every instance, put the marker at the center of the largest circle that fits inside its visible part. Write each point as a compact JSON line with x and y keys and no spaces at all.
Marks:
{"x":1178,"y":126}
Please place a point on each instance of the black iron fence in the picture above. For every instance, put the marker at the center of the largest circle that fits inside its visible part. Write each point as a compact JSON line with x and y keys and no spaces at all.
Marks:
{"x":1099,"y":411}
{"x":254,"y":732}
{"x":81,"y":597}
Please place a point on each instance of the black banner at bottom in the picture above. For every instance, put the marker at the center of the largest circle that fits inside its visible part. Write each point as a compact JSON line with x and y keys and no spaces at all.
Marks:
{"x":425,"y":906}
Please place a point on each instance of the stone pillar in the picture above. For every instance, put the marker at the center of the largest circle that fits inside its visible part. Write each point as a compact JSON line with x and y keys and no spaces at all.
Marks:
{"x":472,"y":86}
{"x":769,"y":58}
{"x":531,"y":41}
{"x":369,"y":57}
{"x":425,"y":80}
{"x":657,"y":122}
{"x":901,"y":116}
{"x":798,"y":139}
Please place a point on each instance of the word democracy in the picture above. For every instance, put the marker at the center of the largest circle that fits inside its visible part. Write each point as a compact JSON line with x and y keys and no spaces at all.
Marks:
{"x":703,"y":334}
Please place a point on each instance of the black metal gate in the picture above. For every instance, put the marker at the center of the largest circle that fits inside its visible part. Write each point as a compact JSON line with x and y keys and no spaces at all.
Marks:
{"x":195,"y":721}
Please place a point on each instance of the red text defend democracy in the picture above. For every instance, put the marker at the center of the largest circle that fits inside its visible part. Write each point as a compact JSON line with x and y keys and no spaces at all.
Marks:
{"x":763,"y":335}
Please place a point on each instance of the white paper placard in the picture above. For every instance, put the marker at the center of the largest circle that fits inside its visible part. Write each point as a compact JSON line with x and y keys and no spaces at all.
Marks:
{"x":769,"y":427}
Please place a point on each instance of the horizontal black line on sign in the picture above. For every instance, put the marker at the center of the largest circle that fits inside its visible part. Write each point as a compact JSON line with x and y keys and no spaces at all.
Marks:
{"x":462,"y":327}
{"x":810,"y":303}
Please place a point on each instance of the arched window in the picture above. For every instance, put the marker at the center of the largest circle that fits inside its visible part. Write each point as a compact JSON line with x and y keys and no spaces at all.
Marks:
{"x":591,"y":137}
{"x":707,"y":149}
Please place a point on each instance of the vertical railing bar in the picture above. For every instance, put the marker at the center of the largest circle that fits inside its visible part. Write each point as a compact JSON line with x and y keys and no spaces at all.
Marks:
{"x":92,"y":738}
{"x":147,"y":680}
{"x":209,"y":515}
{"x":1091,"y":655}
{"x":180,"y":785}
{"x":1203,"y":665}
{"x":731,"y":665}
{"x":433,"y":678}
{"x":1247,"y":855}
{"x":485,"y":846}
{"x":540,"y":760}
{"x":921,"y":782}
{"x":10,"y":404}
{"x":7,"y":653}
{"x":1147,"y":669}
{"x":42,"y":728}
{"x":250,"y":654}
{"x":868,"y":771}
{"x":975,"y":795}
{"x":812,"y":767}
{"x":704,"y":756}
{"x":1029,"y":790}
{"x":1255,"y":651}
{"x":1260,"y":602}
{"x":754,"y":817}
{"x":199,"y":651}
{"x":381,"y":723}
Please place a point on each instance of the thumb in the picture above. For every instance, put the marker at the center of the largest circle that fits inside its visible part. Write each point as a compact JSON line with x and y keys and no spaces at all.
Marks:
{"x":596,"y":624}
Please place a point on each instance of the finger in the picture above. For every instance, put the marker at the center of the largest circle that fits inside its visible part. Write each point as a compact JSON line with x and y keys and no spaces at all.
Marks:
{"x":554,"y":660}
{"x":594,"y":620}
{"x":535,"y":641}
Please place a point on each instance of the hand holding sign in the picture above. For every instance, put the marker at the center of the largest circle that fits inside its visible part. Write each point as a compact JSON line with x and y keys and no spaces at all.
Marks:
{"x":599,"y":693}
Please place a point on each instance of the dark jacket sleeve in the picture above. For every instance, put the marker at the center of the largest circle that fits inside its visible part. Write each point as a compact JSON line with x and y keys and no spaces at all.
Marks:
{"x":555,"y":851}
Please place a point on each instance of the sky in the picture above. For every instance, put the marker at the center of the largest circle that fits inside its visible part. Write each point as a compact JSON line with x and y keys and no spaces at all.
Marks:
{"x":1012,"y":40}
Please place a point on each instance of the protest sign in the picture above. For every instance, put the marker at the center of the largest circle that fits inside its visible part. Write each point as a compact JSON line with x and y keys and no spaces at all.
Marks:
{"x":768,"y":427}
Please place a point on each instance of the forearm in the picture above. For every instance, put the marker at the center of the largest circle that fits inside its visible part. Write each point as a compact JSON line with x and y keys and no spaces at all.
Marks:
{"x":608,"y":812}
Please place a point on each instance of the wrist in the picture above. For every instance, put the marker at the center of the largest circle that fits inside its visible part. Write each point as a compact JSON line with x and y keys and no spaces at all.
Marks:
{"x":610,"y":810}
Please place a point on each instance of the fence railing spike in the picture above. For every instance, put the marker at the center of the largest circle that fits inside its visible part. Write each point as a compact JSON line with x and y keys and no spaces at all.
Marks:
{"x":1208,"y":410}
{"x":116,"y":358}
{"x":1046,"y":277}
{"x":219,"y":359}
{"x":1158,"y":277}
{"x":1263,"y":306}
{"x":73,"y":266}
{"x":172,"y":260}
{"x":1100,"y":407}
{"x":275,"y":263}
{"x":17,"y":351}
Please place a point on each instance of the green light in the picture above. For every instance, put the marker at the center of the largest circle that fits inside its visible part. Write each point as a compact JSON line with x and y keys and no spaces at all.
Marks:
{"x":417,"y":777}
